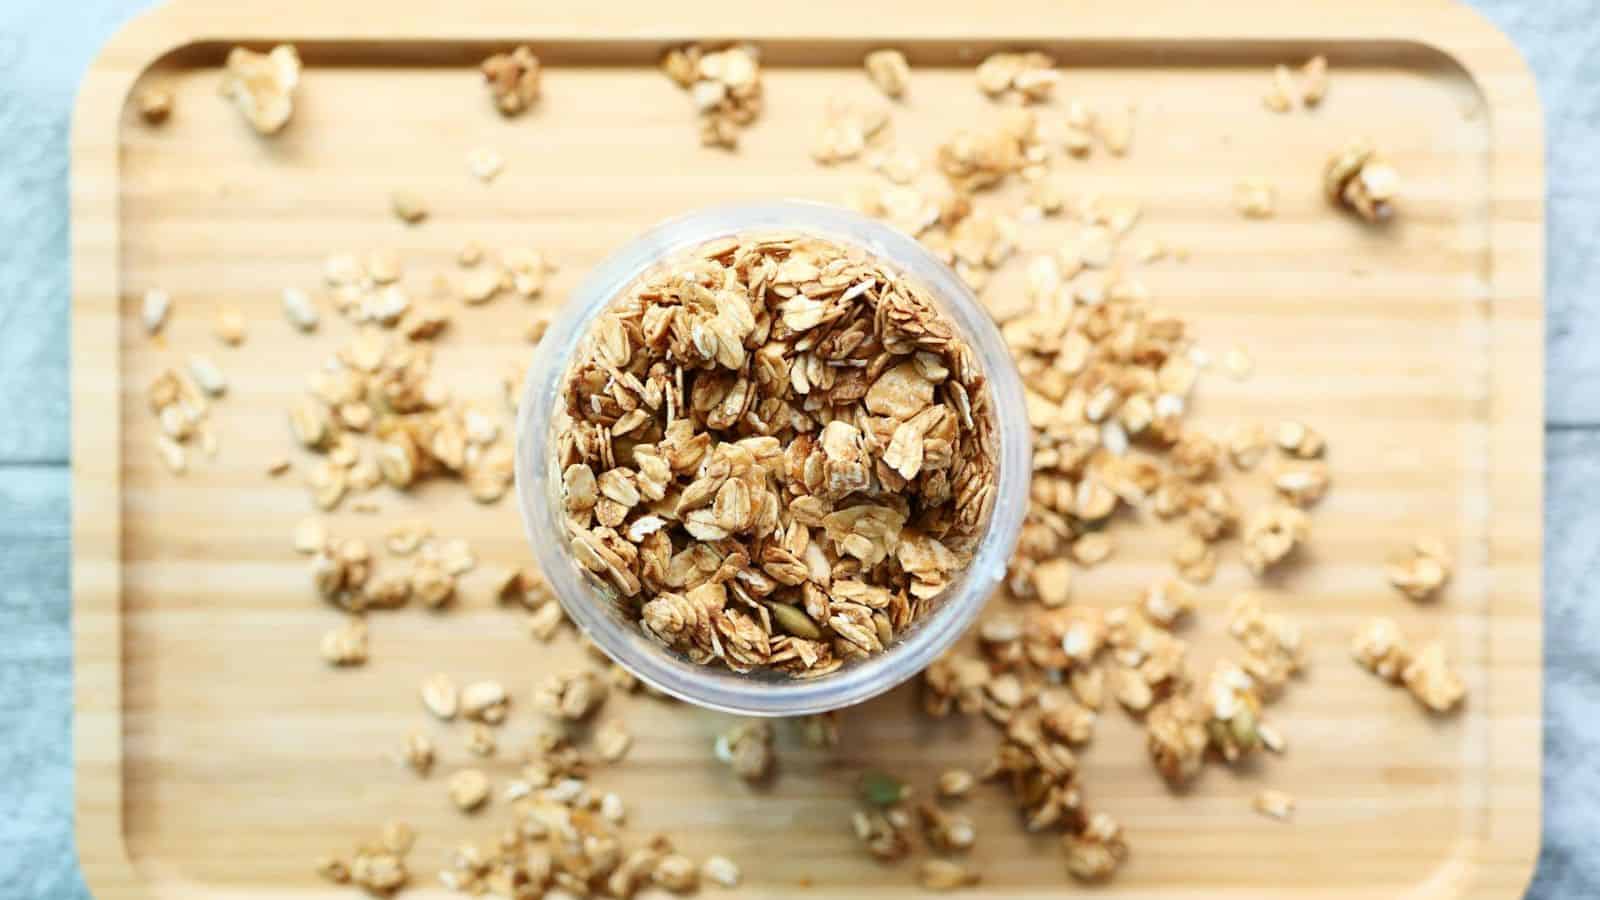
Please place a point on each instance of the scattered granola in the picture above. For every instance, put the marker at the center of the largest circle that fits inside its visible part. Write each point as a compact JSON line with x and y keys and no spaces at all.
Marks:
{"x":417,"y":754}
{"x":469,"y":789}
{"x":1299,"y":440}
{"x":485,"y":163}
{"x":612,"y":741}
{"x":1271,"y":534}
{"x":180,"y":406}
{"x":207,"y":376}
{"x":1358,"y":179}
{"x":262,"y":85}
{"x":573,"y":696}
{"x":512,"y":79}
{"x":157,"y":304}
{"x":1175,"y":736}
{"x":1281,"y":98}
{"x":955,"y":783}
{"x":947,"y":832}
{"x":1114,"y":128}
{"x":1303,"y":88}
{"x":721,"y":871}
{"x":725,"y":86}
{"x":230,"y":326}
{"x":1421,"y":569}
{"x":333,"y":869}
{"x":885,"y":833}
{"x":1381,"y":649}
{"x":676,"y":873}
{"x":1273,"y":644}
{"x":747,"y":748}
{"x":1314,"y":80}
{"x":1274,"y":804}
{"x":481,"y":741}
{"x":377,"y":866}
{"x":778,"y":450}
{"x":848,"y":126}
{"x":378,"y":414}
{"x":408,"y":208}
{"x":1095,"y":853}
{"x":1254,"y":198}
{"x":299,"y":309}
{"x":485,"y":701}
{"x":347,"y":644}
{"x":889,"y":70}
{"x":440,"y":697}
{"x":1432,"y":681}
{"x":1022,"y":77}
{"x":1167,"y":601}
{"x":945,"y":875}
{"x":154,"y":104}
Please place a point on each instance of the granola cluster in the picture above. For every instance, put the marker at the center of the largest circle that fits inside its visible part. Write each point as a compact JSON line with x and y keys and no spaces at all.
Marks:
{"x":1043,"y":677}
{"x":181,"y":403}
{"x":560,"y":832}
{"x":776,"y":453}
{"x":725,"y":85}
{"x":512,"y":79}
{"x":1383,"y":650}
{"x":377,"y":412}
{"x":1360,"y":180}
{"x":379,"y":416}
{"x":262,"y":85}
{"x":1303,"y":88}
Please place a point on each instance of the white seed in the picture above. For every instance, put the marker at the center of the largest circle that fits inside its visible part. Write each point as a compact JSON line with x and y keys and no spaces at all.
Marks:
{"x":157,"y":303}
{"x":1114,"y":438}
{"x":172,"y":454}
{"x":439,"y":695}
{"x":485,"y":163}
{"x":207,"y":375}
{"x":566,"y":791}
{"x":720,"y":870}
{"x":1276,"y":804}
{"x":484,"y":700}
{"x":297,"y":306}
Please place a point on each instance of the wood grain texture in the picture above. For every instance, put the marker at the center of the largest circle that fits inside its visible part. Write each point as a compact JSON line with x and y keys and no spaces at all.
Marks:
{"x":215,"y":754}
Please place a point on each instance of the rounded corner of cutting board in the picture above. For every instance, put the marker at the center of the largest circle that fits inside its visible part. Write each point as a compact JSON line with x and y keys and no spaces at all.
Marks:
{"x":1492,"y":61}
{"x":103,"y":859}
{"x":140,"y":43}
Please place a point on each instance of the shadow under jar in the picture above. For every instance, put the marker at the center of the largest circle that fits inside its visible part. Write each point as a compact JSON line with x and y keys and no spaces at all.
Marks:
{"x":654,"y":562}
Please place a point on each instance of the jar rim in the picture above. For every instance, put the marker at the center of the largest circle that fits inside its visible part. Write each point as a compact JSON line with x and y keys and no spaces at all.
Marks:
{"x":769,"y":694}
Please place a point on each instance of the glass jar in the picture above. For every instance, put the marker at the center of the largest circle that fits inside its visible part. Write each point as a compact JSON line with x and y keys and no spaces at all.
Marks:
{"x":766,"y":693}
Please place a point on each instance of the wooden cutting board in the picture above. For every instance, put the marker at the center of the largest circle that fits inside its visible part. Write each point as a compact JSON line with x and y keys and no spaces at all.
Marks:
{"x":217,"y":756}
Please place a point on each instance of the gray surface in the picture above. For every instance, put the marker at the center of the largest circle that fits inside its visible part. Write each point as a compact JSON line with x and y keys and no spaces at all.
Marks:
{"x":45,"y":46}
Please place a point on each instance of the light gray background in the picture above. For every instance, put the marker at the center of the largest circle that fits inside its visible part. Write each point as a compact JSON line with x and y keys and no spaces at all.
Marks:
{"x":45,"y":45}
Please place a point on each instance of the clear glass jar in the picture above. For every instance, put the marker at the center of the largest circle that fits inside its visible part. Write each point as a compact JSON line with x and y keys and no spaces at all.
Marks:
{"x":766,"y":693}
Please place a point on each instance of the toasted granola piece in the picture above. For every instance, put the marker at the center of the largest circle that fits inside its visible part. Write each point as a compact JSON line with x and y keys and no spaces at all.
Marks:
{"x":889,"y":70}
{"x":262,"y":85}
{"x":512,"y":79}
{"x":1420,"y":570}
{"x":1360,"y":180}
{"x":1430,"y":678}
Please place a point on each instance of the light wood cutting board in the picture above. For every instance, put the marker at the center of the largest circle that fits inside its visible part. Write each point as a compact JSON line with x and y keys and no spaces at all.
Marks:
{"x":217,"y":755}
